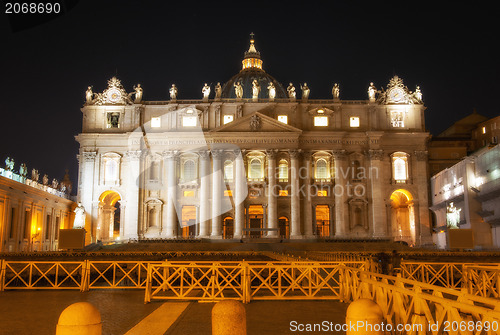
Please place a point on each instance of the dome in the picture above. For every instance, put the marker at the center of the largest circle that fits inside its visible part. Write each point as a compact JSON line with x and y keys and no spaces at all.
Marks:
{"x":252,"y":71}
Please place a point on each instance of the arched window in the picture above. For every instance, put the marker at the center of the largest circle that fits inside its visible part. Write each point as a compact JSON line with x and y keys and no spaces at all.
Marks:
{"x":228,"y":170}
{"x":283,"y":170}
{"x":255,"y":169}
{"x":400,"y":167}
{"x":154,"y":170}
{"x":189,"y":170}
{"x":321,"y":169}
{"x":110,"y":170}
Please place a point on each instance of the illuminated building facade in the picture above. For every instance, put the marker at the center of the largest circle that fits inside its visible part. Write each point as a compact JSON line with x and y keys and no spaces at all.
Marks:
{"x":467,"y":196}
{"x":31,"y":212}
{"x":253,"y":159}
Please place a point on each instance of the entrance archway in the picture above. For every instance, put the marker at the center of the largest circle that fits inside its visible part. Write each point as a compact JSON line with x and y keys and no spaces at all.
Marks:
{"x":255,"y":220}
{"x":188,"y":221}
{"x":322,"y":221}
{"x":403,"y":216}
{"x":228,"y":227}
{"x":284,"y":227}
{"x":109,"y":216}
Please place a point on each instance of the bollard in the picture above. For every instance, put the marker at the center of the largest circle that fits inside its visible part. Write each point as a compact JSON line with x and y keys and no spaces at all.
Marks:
{"x":81,"y":318}
{"x":229,"y":318}
{"x":364,"y":317}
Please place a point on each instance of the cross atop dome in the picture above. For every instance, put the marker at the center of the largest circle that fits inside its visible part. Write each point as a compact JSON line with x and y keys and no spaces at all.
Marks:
{"x":252,"y":56}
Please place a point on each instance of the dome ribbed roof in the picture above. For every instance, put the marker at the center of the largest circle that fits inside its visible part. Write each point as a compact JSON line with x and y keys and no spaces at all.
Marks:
{"x":252,"y":70}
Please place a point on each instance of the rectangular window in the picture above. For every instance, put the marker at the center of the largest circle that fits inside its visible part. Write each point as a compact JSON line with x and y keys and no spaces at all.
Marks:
{"x":283,"y":118}
{"x":58,"y":226}
{"x":354,"y":122}
{"x":188,"y":194}
{"x":156,"y":122}
{"x":27,"y":224}
{"x":228,"y":193}
{"x":397,"y":119}
{"x":320,"y":121}
{"x":484,"y":130}
{"x":189,"y":121}
{"x":227,"y":119}
{"x":48,"y":226}
{"x":322,"y":193}
{"x":12,"y":222}
{"x":283,"y":193}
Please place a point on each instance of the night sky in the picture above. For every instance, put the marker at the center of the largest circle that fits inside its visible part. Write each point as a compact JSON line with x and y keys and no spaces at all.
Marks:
{"x":448,"y":50}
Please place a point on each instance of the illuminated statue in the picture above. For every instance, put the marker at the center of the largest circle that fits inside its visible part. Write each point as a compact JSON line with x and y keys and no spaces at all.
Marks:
{"x":206,"y":92}
{"x":79,"y":222}
{"x":371,"y":92}
{"x":218,"y":91}
{"x":238,"y":90}
{"x":336,"y":91}
{"x":9,"y":164}
{"x":89,"y":95}
{"x":55,"y":183}
{"x":452,"y":216}
{"x":255,"y":89}
{"x":305,"y":91}
{"x":45,"y":180}
{"x":35,"y":175}
{"x":173,"y":92}
{"x":418,"y":94}
{"x":138,"y":93}
{"x":272,"y":91}
{"x":23,"y":170}
{"x":291,"y":91}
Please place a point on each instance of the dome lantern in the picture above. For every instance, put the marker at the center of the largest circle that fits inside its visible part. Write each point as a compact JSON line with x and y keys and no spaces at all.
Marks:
{"x":252,"y":56}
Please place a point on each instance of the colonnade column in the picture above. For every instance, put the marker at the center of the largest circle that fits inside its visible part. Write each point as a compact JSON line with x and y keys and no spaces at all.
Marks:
{"x":216,"y":194}
{"x":204,"y":193}
{"x":171,"y":224}
{"x":132,"y":194}
{"x":375,"y":174}
{"x":340,"y":192}
{"x":308,"y":218}
{"x":272,"y":197}
{"x":295,"y":196}
{"x":240,"y":193}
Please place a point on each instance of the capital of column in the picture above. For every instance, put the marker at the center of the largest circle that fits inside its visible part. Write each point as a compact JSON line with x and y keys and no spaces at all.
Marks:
{"x":88,"y":156}
{"x":271,"y":153}
{"x":374,"y":154}
{"x":294,"y":153}
{"x":204,"y":154}
{"x":171,"y":154}
{"x":217,"y":153}
{"x":134,"y":154}
{"x":339,"y":154}
{"x":421,"y":155}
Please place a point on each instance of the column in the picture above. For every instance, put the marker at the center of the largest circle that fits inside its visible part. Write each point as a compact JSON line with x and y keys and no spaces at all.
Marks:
{"x":204,"y":218}
{"x":331,"y":217}
{"x":86,"y":162}
{"x":375,"y":174}
{"x":340,"y":193}
{"x":170,"y":226}
{"x":295,"y":196}
{"x":132,"y":194}
{"x":272,"y":196}
{"x":217,"y":180}
{"x":308,"y":218}
{"x":240,"y":194}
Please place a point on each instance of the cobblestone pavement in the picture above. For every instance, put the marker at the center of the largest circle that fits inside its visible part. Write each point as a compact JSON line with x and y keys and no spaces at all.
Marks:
{"x":37,"y":312}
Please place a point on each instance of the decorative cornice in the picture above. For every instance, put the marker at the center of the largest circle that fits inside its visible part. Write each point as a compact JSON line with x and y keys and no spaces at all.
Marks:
{"x":421,"y":155}
{"x":376,"y":154}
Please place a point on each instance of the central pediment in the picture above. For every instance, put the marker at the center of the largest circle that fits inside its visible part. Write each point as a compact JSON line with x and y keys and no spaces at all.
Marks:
{"x":256,"y":123}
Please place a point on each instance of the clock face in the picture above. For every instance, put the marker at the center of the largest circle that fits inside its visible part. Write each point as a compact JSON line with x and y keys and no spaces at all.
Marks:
{"x":114,"y":95}
{"x":396,"y":95}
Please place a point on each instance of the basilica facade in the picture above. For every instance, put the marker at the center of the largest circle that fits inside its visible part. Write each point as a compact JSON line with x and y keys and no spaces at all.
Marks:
{"x":253,"y":158}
